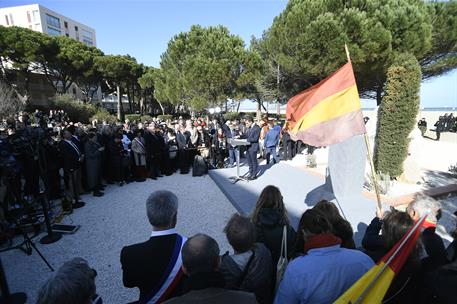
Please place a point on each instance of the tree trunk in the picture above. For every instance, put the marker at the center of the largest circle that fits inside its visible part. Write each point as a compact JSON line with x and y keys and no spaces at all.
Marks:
{"x":129,"y":96}
{"x":142,"y":101}
{"x":133,"y":96}
{"x":120,"y":109}
{"x":379,"y":95}
{"x":278,"y":109}
{"x":259,"y":110}
{"x":161,"y":107}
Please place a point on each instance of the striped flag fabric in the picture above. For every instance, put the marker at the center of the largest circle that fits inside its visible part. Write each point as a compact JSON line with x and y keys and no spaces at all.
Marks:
{"x":372,"y":287}
{"x":328,"y":112}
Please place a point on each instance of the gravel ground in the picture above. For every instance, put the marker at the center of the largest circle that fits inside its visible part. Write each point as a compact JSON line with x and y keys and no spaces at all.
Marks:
{"x":116,"y":220}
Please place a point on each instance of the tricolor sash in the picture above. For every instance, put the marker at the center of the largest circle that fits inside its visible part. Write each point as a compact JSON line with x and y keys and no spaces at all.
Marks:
{"x":170,"y":278}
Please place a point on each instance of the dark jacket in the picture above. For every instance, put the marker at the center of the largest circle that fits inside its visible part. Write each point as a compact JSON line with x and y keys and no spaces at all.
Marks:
{"x":208,"y":288}
{"x":444,"y":284}
{"x":70,"y":156}
{"x":269,"y":229}
{"x":143,"y":264}
{"x":259,"y":276}
{"x":434,"y":247}
{"x":252,"y":136}
{"x":404,"y":287}
{"x":152,"y":144}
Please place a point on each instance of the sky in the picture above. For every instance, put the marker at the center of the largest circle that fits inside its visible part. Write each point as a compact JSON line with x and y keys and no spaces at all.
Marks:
{"x":143,"y":28}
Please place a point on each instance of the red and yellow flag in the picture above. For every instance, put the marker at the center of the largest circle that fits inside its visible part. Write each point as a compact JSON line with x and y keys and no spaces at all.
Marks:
{"x":327,"y":113}
{"x":372,"y":287}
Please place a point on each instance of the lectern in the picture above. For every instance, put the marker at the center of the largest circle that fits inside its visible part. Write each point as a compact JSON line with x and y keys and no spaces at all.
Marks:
{"x":236,"y":143}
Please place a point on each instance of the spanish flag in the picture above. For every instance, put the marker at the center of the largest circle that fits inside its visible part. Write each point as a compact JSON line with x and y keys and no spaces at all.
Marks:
{"x":327,"y":113}
{"x":372,"y":287}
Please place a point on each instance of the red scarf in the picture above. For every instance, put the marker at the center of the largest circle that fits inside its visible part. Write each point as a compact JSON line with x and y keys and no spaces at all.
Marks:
{"x":321,"y":240}
{"x":426,"y":224}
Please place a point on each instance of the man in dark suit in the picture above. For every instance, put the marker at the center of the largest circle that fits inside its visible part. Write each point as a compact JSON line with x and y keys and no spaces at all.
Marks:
{"x":154,"y":266}
{"x":252,"y":136}
{"x":153,"y":151}
{"x":72,"y":158}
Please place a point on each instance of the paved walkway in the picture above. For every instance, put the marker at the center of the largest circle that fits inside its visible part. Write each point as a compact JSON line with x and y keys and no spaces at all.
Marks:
{"x":115,"y":220}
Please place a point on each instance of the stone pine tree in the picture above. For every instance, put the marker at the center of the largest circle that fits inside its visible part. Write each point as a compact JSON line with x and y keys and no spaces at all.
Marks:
{"x":397,"y":114}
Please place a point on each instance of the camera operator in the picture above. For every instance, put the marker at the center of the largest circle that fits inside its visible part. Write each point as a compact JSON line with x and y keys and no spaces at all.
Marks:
{"x":50,"y":163}
{"x":10,"y":178}
{"x":20,"y":139}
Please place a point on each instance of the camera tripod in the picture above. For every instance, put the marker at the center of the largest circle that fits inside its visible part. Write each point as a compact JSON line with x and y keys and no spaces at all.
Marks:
{"x":27,"y":244}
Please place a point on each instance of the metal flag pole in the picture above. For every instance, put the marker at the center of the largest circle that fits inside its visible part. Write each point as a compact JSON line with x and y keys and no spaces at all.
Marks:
{"x":369,"y":156}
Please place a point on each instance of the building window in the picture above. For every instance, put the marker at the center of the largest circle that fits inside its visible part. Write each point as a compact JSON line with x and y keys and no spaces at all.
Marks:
{"x":76,"y":28}
{"x":65,"y":24}
{"x":53,"y":32}
{"x":53,"y":21}
{"x":67,"y":35}
{"x":7,"y":21}
{"x":38,"y":27}
{"x":29,"y":19}
{"x":88,"y":42}
{"x":36,"y":16}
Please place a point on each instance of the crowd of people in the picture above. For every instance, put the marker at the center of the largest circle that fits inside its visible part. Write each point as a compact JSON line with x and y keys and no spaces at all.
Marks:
{"x":46,"y":151}
{"x":323,"y":261}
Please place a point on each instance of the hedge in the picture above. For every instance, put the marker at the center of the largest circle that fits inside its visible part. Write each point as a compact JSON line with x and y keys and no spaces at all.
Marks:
{"x":397,"y":115}
{"x":165,"y":117}
{"x":104,"y":115}
{"x":75,"y":109}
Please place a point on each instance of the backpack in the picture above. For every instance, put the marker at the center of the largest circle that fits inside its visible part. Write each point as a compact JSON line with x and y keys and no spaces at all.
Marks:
{"x":200,"y":166}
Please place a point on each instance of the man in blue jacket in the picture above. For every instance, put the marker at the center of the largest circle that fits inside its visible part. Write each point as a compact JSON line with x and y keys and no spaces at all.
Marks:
{"x":271,"y":142}
{"x":252,"y":136}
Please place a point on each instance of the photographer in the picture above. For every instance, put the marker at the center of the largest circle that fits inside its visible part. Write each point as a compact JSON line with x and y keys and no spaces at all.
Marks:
{"x":49,"y":159}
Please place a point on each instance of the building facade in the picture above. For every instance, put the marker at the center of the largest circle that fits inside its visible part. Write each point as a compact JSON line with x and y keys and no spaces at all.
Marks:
{"x":41,"y":19}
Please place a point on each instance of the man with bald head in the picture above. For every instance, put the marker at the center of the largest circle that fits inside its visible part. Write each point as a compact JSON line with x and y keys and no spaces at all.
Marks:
{"x":201,"y":262}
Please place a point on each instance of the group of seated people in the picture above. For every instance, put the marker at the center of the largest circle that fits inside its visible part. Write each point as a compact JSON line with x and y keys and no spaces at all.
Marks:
{"x":323,"y":261}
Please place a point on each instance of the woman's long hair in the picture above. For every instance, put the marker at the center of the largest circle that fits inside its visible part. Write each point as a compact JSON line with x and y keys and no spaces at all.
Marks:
{"x":270,"y":198}
{"x":340,"y":226}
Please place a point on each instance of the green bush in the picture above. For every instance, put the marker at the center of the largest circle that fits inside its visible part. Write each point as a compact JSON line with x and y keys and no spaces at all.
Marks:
{"x":232,"y":115}
{"x":145,"y":118}
{"x":397,"y":115}
{"x":133,"y":117}
{"x":76,"y":110}
{"x":165,"y":117}
{"x":104,"y":115}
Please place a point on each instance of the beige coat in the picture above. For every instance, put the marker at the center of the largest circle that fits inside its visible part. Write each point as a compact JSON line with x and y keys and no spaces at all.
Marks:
{"x":139,"y":151}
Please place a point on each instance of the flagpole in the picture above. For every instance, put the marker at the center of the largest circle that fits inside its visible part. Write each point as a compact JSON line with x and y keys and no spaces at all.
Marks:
{"x":394,"y":255}
{"x":370,"y":158}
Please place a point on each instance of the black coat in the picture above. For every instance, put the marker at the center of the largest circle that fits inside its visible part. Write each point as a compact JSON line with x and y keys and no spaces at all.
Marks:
{"x":69,"y":155}
{"x":259,"y":276}
{"x":143,"y":264}
{"x":407,"y":283}
{"x":152,"y":144}
{"x":269,"y":229}
{"x":444,"y":284}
